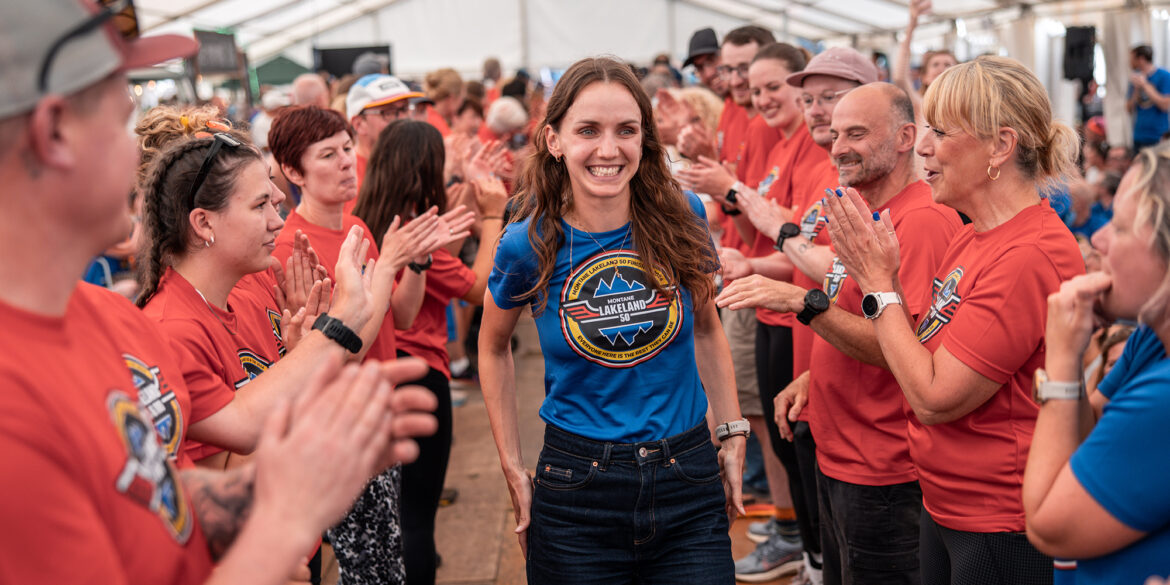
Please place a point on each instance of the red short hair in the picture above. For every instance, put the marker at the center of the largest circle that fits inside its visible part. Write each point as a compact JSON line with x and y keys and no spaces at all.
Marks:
{"x":297,"y":128}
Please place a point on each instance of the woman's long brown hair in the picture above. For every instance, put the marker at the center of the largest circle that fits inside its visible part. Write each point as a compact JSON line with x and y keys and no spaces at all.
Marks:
{"x":667,"y":235}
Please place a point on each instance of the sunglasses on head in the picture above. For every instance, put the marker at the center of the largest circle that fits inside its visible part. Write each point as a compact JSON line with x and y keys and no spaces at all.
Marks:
{"x":125,"y":22}
{"x":220,"y":140}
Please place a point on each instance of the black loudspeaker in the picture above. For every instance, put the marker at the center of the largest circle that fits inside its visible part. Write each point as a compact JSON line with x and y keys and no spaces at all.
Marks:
{"x":1079,"y":43}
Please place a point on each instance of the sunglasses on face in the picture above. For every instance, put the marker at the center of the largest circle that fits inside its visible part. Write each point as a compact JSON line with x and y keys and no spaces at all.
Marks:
{"x":120,"y":13}
{"x":220,"y":140}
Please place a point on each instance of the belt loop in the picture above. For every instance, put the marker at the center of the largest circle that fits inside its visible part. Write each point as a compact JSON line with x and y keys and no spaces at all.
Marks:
{"x":605,"y":456}
{"x":666,"y":452}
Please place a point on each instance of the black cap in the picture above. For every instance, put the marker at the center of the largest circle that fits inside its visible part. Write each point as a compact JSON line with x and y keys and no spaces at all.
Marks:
{"x":703,"y":42}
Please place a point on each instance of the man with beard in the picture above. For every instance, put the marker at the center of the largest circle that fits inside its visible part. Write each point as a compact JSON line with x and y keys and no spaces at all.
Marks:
{"x":703,"y":53}
{"x":870,"y":502}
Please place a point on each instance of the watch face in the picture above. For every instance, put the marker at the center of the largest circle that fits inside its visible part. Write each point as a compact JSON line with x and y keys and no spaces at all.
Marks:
{"x":789,"y":230}
{"x":869,"y":305}
{"x":817,"y":300}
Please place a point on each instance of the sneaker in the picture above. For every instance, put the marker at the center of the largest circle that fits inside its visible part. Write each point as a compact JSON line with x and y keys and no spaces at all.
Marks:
{"x":771,"y":559}
{"x":807,"y":575}
{"x":758,"y":532}
{"x":761,"y":531}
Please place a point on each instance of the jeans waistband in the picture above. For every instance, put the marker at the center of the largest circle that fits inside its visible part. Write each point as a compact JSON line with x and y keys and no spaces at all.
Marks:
{"x":646,"y":451}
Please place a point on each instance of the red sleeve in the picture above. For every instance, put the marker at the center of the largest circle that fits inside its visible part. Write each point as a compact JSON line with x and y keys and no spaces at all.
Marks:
{"x":1000,"y":325}
{"x":448,"y":277}
{"x":194,"y":353}
{"x":43,"y":501}
{"x":924,"y":235}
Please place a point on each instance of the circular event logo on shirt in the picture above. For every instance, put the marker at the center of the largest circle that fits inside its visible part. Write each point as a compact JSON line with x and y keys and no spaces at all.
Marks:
{"x":611,"y":315}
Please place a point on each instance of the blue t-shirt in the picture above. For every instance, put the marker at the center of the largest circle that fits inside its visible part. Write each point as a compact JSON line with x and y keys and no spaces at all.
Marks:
{"x":1099,"y":215}
{"x":619,"y":359}
{"x":1142,"y":349}
{"x":1150,"y":122}
{"x":1124,"y":464}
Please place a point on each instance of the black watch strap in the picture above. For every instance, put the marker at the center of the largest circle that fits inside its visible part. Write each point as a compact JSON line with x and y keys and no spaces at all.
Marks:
{"x":815,"y":303}
{"x":730,"y":210}
{"x":337,"y":331}
{"x":788,"y":230}
{"x":419,"y":268}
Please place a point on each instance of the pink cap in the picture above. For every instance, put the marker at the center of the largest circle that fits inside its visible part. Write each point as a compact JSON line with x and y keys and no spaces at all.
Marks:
{"x":842,"y":62}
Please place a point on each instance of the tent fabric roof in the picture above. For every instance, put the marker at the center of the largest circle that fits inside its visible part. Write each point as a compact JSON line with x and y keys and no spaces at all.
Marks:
{"x":428,"y":33}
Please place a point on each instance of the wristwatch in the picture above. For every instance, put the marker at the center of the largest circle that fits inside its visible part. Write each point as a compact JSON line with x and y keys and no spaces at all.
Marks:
{"x":419,"y":268}
{"x":733,"y":428}
{"x":733,"y":193}
{"x":1045,"y":389}
{"x":873,"y":304}
{"x":788,"y":230}
{"x":815,"y":303}
{"x":337,"y":331}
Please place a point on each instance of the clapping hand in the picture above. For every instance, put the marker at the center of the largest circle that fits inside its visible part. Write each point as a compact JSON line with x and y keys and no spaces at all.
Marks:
{"x":865,"y":242}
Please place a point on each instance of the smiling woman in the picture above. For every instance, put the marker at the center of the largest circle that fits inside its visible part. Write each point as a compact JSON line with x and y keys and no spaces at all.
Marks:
{"x":616,"y":264}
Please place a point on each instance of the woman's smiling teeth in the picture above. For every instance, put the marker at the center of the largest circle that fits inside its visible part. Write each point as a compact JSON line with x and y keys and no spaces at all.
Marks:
{"x":608,"y":171}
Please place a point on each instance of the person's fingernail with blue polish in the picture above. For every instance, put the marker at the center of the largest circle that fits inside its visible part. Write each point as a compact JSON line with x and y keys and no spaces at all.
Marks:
{"x":876,"y":216}
{"x":840,"y":193}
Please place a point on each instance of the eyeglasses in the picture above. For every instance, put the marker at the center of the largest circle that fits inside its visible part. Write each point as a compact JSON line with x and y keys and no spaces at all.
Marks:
{"x":390,"y":114}
{"x":826,"y":99}
{"x":727,"y":70}
{"x":125,"y":22}
{"x":220,"y":140}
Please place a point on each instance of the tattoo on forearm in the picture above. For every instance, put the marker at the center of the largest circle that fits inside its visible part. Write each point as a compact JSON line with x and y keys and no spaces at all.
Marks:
{"x":222,"y":501}
{"x":803,"y":247}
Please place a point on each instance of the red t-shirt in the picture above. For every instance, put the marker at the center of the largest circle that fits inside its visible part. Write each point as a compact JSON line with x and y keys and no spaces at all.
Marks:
{"x":327,"y":244}
{"x":89,"y":494}
{"x":448,"y":278}
{"x":791,"y":165}
{"x":810,"y":214}
{"x":987,"y":306}
{"x":261,"y":286}
{"x":434,"y":119}
{"x":731,"y":142}
{"x":218,"y":351}
{"x":856,"y":410}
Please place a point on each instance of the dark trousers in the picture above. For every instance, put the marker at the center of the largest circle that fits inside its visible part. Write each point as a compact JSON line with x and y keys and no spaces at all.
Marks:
{"x":774,"y":372}
{"x":628,"y":513}
{"x":422,"y":484}
{"x":869,"y":533}
{"x":955,"y":557}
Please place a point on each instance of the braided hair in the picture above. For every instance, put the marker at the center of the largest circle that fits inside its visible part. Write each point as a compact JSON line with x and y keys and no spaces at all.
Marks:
{"x":166,"y":206}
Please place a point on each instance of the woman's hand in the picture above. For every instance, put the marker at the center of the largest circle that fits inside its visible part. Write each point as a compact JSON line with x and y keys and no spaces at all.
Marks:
{"x":695,"y":141}
{"x":789,"y":402}
{"x":296,"y":279}
{"x":520,"y":488}
{"x":1073,"y":315}
{"x":866,"y":244}
{"x":403,"y":244}
{"x":731,"y":469}
{"x":733,"y":263}
{"x":708,"y":176}
{"x":765,"y":214}
{"x":756,"y":291}
{"x":293,"y":328}
{"x":485,"y":161}
{"x":353,"y":294}
{"x":491,"y":196}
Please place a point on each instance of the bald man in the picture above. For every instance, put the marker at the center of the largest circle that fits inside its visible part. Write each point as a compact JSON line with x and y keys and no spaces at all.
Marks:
{"x":309,"y":89}
{"x":869,"y":499}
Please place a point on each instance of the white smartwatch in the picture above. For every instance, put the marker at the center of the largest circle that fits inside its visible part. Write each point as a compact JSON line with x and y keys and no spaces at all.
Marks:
{"x":1046,"y":389}
{"x":873,"y":304}
{"x":732,"y":428}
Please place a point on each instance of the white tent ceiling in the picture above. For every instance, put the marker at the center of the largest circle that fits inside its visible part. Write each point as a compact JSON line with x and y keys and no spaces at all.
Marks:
{"x":426,"y":34}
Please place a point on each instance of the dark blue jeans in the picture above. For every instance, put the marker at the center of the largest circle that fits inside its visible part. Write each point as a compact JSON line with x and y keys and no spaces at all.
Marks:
{"x":869,"y":533}
{"x":614,"y":513}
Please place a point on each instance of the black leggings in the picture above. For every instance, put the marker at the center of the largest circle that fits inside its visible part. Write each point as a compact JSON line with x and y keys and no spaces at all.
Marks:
{"x":774,"y":372}
{"x":979,"y":558}
{"x":422,"y":484}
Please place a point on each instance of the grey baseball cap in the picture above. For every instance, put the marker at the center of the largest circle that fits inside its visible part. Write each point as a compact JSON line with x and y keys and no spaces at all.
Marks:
{"x":75,"y":43}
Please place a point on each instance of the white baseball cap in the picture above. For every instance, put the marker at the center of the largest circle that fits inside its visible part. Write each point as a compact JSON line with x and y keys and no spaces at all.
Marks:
{"x":376,"y":90}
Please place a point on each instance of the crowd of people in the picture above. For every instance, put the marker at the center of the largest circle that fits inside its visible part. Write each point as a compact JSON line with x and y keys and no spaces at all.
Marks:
{"x":942,"y":314}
